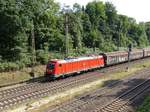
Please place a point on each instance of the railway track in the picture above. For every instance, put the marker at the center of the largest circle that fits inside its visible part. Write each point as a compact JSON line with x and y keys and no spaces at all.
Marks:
{"x":17,"y":95}
{"x":36,"y":91}
{"x":92,"y":101}
{"x":121,"y":103}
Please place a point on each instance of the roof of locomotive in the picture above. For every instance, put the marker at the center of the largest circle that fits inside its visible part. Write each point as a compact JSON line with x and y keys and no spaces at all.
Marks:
{"x":67,"y":60}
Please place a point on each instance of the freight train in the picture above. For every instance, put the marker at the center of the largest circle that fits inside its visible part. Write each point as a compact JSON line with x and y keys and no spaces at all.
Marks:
{"x":57,"y":68}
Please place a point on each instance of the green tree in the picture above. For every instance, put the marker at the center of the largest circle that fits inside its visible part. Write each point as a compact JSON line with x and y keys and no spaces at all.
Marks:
{"x":77,"y":26}
{"x":147,"y":29}
{"x":13,"y":38}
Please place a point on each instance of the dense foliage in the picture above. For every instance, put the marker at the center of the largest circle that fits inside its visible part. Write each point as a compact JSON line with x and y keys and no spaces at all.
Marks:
{"x":145,"y":106}
{"x":96,"y":27}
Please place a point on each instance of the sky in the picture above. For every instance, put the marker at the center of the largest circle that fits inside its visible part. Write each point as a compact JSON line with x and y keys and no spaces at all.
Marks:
{"x":138,"y":9}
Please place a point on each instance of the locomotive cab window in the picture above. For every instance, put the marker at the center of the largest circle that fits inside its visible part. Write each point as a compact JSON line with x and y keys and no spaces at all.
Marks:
{"x":51,"y":66}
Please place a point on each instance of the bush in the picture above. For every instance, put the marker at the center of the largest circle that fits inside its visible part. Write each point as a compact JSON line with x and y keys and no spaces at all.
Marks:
{"x":56,"y":55}
{"x":42,"y":56}
{"x":145,"y":106}
{"x":8,"y":66}
{"x":0,"y":58}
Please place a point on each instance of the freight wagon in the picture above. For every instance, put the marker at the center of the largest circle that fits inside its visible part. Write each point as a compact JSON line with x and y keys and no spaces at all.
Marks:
{"x":146,"y":52}
{"x":112,"y":58}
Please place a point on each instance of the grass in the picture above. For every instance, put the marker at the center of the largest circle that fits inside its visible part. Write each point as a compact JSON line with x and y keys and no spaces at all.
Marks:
{"x":145,"y":107}
{"x":18,"y":76}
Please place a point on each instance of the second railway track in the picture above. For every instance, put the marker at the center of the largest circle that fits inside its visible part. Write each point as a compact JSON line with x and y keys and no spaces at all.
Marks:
{"x":121,"y":103}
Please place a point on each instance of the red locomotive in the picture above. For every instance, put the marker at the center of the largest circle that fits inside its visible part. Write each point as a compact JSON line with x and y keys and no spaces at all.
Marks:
{"x":57,"y":68}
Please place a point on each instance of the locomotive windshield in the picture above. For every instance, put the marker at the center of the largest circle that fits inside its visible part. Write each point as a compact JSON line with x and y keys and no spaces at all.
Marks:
{"x":51,"y":66}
